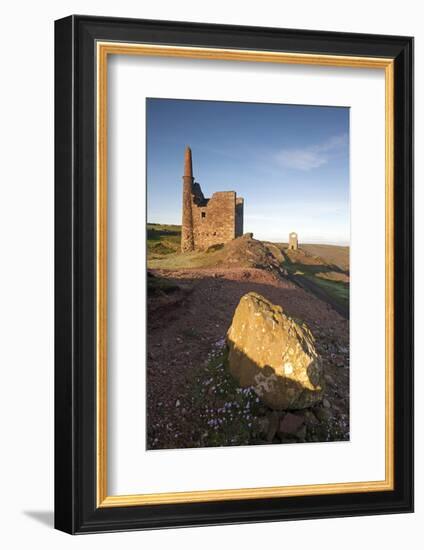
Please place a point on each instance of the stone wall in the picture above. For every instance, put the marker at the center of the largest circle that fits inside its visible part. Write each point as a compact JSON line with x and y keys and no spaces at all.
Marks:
{"x":239,"y":216}
{"x":215,"y":222}
{"x":207,"y":222}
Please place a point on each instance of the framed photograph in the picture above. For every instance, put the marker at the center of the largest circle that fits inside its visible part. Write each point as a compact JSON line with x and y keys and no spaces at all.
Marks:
{"x":234,"y":274}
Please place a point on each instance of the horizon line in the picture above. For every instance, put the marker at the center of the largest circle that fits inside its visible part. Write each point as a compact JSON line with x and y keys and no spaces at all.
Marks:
{"x":275,"y":241}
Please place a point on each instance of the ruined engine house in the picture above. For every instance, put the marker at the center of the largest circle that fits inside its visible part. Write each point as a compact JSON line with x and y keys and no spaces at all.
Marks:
{"x":207,"y":222}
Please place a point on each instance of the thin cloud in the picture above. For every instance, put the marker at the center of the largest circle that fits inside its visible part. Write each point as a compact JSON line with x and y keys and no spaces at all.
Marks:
{"x":312,"y":156}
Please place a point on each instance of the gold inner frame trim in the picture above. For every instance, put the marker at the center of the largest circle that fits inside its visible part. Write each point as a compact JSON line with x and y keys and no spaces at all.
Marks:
{"x":104,"y":49}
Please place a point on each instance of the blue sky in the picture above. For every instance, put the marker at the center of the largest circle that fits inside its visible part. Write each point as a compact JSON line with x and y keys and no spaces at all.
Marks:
{"x":289,"y":162}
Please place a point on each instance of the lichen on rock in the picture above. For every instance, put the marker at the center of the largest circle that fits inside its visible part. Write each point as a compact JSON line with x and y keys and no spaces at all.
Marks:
{"x":274,"y":354}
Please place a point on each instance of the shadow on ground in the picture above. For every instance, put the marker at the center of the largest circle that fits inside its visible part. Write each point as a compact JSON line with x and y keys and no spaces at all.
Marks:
{"x":45,"y":517}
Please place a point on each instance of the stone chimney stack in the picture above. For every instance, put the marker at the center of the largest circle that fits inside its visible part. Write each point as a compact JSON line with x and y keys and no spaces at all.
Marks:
{"x":188,"y":164}
{"x":187,"y":236}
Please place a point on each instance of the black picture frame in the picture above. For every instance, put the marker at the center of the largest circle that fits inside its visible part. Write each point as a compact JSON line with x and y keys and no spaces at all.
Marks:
{"x":76,"y":510}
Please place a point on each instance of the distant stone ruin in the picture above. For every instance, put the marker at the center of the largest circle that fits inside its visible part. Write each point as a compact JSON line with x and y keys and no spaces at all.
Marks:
{"x":293,"y":242}
{"x":207,"y":222}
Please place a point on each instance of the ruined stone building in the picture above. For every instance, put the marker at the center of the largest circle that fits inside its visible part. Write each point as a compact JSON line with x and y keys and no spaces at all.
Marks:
{"x":293,"y":243}
{"x":207,"y":222}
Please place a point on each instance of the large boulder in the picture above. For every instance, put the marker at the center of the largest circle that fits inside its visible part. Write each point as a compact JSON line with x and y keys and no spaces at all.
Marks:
{"x":275,"y":355}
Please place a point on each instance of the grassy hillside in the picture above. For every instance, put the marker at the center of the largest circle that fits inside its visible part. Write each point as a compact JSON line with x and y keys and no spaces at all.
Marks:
{"x":330,"y":254}
{"x":163,"y":252}
{"x":321,"y":269}
{"x":326,"y":273}
{"x":162,"y":239}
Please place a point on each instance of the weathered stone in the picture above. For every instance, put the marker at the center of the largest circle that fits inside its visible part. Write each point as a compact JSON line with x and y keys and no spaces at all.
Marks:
{"x":301,"y":434}
{"x":207,"y":222}
{"x":329,"y":380}
{"x":338,"y":361}
{"x":262,"y":425}
{"x":326,"y":403}
{"x":293,"y":243}
{"x":272,"y":426}
{"x":310,"y":418}
{"x":262,"y":410}
{"x":323,"y":415}
{"x":275,"y":355}
{"x":291,"y":423}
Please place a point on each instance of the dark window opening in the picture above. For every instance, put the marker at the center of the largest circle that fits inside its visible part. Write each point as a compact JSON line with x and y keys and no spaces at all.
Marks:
{"x":203,"y":214}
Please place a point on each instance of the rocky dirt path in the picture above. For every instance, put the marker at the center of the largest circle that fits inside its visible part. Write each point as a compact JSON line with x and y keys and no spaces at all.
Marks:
{"x":191,"y":402}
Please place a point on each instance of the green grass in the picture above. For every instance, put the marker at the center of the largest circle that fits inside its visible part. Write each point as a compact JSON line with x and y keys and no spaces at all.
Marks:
{"x":330,"y":254}
{"x":163,"y":250}
{"x":337,"y":290}
{"x":162,"y":240}
{"x":157,"y":231}
{"x":227,"y":412}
